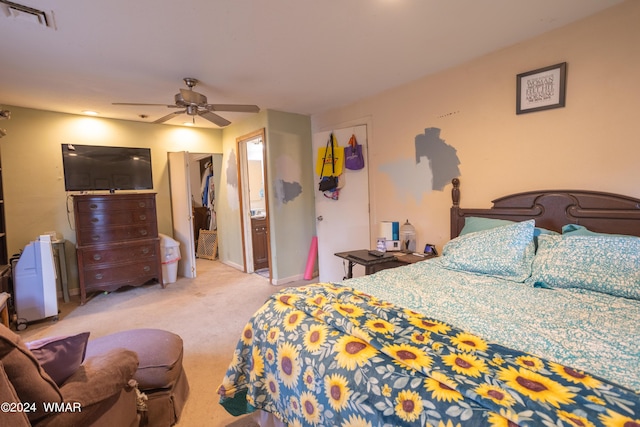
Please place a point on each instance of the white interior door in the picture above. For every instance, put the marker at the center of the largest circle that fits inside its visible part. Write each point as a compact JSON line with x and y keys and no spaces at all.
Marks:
{"x":343,"y":224}
{"x":243,"y":188}
{"x":182,"y":212}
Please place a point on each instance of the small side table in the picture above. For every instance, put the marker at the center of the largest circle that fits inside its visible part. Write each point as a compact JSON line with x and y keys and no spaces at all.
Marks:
{"x":373,"y":264}
{"x":61,"y":266}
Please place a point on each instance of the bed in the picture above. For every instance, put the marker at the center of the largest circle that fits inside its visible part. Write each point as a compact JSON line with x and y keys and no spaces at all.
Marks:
{"x":530,"y":317}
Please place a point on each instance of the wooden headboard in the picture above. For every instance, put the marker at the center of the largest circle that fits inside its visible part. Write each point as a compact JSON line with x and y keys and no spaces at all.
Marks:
{"x":600,"y":212}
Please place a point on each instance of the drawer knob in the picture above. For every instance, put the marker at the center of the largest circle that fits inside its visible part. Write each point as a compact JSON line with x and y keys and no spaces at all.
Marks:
{"x":145,"y":251}
{"x":143,"y":217}
{"x":99,"y":276}
{"x":93,"y":206}
{"x":94,"y":220}
{"x":97,"y":257}
{"x":146,"y":268}
{"x":143,"y":232}
{"x":95,"y":237}
{"x":142,"y":204}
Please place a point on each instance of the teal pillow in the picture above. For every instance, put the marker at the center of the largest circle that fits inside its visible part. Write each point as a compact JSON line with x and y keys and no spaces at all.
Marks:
{"x":603,"y":263}
{"x":475,"y":223}
{"x":581,"y":230}
{"x":504,"y":251}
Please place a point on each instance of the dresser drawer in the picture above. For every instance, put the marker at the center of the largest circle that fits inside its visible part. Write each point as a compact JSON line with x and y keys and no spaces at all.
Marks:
{"x":99,"y":235}
{"x":110,"y":203}
{"x":118,"y":254}
{"x":103,"y":218}
{"x":119,"y":274}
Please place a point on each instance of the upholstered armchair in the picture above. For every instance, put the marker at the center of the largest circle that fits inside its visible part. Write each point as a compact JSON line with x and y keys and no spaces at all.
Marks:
{"x":98,"y":391}
{"x":128,"y":378}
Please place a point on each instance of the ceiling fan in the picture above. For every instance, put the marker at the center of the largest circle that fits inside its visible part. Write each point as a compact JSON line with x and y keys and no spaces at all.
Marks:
{"x":195,"y":104}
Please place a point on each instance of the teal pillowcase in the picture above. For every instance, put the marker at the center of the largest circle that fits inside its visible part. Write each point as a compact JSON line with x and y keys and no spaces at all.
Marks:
{"x":505,"y":251}
{"x":603,"y":263}
{"x":475,"y":223}
{"x":581,"y":230}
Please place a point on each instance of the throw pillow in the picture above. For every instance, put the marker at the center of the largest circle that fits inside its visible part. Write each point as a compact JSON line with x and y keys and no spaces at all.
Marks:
{"x":30,"y":381}
{"x":61,"y":356}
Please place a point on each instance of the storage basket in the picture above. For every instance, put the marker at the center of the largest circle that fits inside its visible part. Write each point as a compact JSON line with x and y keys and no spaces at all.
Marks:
{"x":207,"y":244}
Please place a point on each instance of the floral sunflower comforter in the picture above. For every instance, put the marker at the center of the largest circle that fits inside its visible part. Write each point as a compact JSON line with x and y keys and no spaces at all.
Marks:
{"x":330,"y":355}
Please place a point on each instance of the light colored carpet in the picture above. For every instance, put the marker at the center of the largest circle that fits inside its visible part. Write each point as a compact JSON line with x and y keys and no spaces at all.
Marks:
{"x":208,"y":312}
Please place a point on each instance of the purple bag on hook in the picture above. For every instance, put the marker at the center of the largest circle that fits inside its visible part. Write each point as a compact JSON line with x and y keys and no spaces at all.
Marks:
{"x":353,"y":157}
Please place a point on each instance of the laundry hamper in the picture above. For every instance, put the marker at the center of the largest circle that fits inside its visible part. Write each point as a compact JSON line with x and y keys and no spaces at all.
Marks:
{"x":207,"y":244}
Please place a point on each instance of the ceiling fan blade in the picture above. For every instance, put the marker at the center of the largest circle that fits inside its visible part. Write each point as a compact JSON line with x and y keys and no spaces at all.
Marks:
{"x":134,"y":103}
{"x":214,"y":118}
{"x":238,"y":108}
{"x":169,"y":116}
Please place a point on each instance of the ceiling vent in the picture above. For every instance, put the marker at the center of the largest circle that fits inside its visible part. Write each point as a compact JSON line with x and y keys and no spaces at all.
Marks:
{"x":27,"y":14}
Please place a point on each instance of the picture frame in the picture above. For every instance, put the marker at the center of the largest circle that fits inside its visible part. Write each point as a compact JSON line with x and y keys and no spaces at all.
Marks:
{"x":541,"y":89}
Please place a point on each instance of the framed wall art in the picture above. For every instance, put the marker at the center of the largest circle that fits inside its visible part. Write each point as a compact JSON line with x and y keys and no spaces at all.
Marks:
{"x":541,"y":89}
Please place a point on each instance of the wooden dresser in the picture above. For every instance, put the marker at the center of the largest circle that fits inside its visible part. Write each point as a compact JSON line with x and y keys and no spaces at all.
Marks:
{"x":116,"y":241}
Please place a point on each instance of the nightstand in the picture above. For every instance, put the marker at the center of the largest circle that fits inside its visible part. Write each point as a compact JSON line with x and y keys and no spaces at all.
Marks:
{"x":374,"y":264}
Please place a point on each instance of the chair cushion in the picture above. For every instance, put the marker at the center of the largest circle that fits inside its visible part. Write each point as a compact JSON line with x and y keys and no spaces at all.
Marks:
{"x":30,"y":381}
{"x":159,"y":354}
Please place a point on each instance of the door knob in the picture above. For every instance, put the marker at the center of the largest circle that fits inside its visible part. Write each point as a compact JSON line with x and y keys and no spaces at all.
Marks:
{"x":320,"y":218}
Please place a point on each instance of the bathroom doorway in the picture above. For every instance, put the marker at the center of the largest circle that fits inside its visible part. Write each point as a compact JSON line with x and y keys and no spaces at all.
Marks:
{"x":254,"y":203}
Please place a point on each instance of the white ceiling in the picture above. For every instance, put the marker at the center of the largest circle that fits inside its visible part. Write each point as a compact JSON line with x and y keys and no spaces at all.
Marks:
{"x":289,"y":55}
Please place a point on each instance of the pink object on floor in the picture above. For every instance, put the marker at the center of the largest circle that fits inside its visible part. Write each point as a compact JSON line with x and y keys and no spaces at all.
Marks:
{"x":311,"y":260}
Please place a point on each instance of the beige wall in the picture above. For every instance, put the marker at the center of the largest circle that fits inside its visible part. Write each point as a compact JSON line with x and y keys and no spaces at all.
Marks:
{"x":288,"y":148}
{"x":291,"y":213}
{"x":592,"y":143}
{"x":35,"y":198}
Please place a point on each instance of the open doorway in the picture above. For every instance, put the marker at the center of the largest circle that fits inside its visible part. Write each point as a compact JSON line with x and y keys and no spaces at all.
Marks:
{"x":254,"y":203}
{"x":186,"y":178}
{"x":205,"y":170}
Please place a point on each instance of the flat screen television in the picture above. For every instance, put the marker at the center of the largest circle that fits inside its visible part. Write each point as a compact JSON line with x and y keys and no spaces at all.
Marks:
{"x":94,"y":167}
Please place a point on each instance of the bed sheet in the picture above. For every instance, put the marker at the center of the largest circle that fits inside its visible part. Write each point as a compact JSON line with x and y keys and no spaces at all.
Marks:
{"x":592,"y":331}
